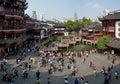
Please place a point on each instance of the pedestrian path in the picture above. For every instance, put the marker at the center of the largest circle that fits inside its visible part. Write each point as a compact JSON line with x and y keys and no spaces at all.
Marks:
{"x":99,"y":60}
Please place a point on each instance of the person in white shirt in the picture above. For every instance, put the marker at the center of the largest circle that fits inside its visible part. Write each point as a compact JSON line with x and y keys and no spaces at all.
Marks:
{"x":66,"y":79}
{"x":86,"y":82}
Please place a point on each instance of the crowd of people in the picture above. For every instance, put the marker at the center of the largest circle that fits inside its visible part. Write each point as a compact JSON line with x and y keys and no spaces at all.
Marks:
{"x":55,"y":61}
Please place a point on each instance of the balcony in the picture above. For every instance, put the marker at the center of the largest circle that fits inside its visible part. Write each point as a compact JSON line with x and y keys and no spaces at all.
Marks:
{"x":18,"y":27}
{"x":12,"y":30}
{"x":8,"y":27}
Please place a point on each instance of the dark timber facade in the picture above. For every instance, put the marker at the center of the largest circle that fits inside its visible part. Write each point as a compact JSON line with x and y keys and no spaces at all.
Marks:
{"x":12,"y":29}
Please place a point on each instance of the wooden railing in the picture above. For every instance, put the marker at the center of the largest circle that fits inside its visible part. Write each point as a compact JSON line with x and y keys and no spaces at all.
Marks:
{"x":8,"y":27}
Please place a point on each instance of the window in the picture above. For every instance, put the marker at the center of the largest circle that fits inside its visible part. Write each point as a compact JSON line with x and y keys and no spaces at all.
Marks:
{"x":1,"y":9}
{"x":118,"y":34}
{"x":119,"y":29}
{"x":8,"y":22}
{"x":118,"y":24}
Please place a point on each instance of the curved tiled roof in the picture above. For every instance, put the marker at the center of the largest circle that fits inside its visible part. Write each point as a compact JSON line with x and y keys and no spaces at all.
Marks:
{"x":114,"y":43}
{"x":111,"y":16}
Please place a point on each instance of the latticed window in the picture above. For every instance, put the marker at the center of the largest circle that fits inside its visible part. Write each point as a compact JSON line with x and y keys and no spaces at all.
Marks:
{"x":118,"y":24}
{"x":1,"y":9}
{"x":119,"y":29}
{"x":118,"y":34}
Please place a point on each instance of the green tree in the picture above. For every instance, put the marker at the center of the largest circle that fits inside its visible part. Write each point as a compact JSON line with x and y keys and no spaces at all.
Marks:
{"x":69,"y":25}
{"x":77,"y":24}
{"x":101,"y":42}
{"x":85,"y":22}
{"x":95,"y":23}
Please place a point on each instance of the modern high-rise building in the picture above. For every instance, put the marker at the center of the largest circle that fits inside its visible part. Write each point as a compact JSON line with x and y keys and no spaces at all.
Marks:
{"x":75,"y":16}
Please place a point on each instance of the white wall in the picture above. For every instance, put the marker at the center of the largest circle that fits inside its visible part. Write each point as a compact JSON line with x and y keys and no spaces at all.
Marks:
{"x":117,"y":30}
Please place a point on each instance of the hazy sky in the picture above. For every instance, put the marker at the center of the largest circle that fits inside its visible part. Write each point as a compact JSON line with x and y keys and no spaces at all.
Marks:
{"x":66,"y":8}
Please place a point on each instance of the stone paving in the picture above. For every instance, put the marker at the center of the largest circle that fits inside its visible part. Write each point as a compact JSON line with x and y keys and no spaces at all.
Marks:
{"x":98,"y":60}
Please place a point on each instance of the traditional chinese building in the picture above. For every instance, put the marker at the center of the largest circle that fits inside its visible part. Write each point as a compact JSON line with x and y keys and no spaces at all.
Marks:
{"x":111,"y":24}
{"x":33,"y":28}
{"x":59,"y":29}
{"x":91,"y":34}
{"x":12,"y":29}
{"x":47,"y":30}
{"x":111,"y":27}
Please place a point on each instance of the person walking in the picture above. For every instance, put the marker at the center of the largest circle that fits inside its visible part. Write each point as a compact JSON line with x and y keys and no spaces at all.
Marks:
{"x":39,"y":64}
{"x":38,"y":74}
{"x":48,"y":81}
{"x":90,"y":64}
{"x":13,"y":82}
{"x":106,"y":80}
{"x":66,"y":79}
{"x":76,"y":81}
{"x":29,"y":66}
{"x":94,"y":72}
{"x":116,"y":74}
{"x":82,"y":81}
{"x":38,"y":81}
{"x":86,"y":82}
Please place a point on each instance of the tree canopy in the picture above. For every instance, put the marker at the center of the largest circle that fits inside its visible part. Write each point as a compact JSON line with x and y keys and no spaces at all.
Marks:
{"x":101,"y":42}
{"x":69,"y":25}
{"x":78,"y":24}
{"x":85,"y":22}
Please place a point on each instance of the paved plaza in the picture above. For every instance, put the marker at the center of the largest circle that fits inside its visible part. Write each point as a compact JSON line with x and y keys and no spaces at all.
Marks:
{"x":98,"y":60}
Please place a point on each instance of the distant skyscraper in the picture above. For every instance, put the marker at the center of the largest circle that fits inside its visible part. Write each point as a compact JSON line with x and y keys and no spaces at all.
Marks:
{"x":75,"y":16}
{"x":34,"y":15}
